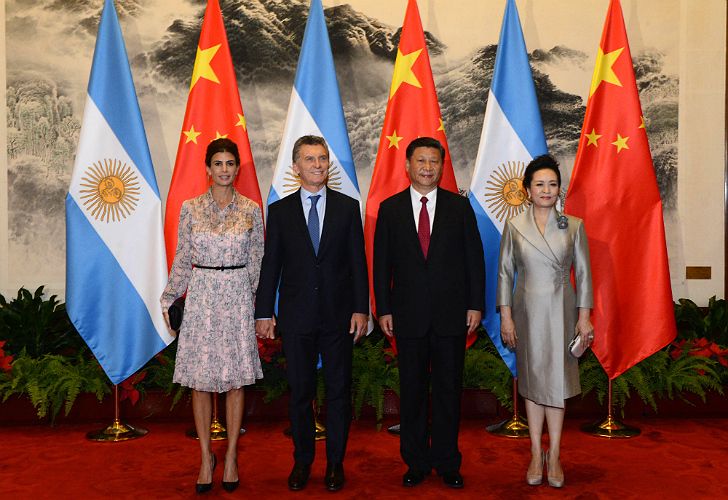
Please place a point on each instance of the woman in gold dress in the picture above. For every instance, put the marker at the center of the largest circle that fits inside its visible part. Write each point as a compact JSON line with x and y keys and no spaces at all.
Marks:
{"x":543,"y":313}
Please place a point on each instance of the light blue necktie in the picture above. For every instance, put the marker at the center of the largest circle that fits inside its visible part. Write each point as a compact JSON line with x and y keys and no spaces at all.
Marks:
{"x":313,"y":222}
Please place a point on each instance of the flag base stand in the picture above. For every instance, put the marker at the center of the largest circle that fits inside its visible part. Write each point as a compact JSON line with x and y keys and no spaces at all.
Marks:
{"x":319,"y":433}
{"x":320,"y":430}
{"x":610,"y":427}
{"x":118,"y":430}
{"x":394,"y":429}
{"x":218,"y":432}
{"x":514,"y":427}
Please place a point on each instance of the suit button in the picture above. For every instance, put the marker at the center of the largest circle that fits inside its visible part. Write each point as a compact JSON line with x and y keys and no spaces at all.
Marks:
{"x":315,"y":288}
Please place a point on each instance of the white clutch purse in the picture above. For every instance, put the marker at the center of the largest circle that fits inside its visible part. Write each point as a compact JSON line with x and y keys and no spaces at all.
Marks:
{"x":577,"y":348}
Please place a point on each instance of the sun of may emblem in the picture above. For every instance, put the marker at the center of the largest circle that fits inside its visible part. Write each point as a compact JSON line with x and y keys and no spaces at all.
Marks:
{"x":292,"y":182}
{"x":110,"y":190}
{"x":504,"y":191}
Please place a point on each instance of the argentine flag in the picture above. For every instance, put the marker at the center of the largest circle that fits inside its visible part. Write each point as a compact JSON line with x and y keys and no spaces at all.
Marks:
{"x":512,"y":136}
{"x":115,"y":262}
{"x":315,"y":109}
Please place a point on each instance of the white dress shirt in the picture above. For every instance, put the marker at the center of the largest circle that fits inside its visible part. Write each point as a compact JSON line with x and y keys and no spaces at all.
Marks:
{"x":417,"y":206}
{"x":320,"y":205}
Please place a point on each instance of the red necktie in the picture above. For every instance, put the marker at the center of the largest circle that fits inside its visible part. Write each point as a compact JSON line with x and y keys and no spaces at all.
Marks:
{"x":423,"y":228}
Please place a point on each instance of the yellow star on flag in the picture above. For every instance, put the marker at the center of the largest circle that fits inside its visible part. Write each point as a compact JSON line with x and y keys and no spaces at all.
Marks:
{"x":202,"y":67}
{"x":191,"y":134}
{"x":593,"y":138}
{"x":442,"y":126}
{"x":603,"y":71}
{"x":219,"y":136}
{"x":403,"y":71}
{"x":394,"y":139}
{"x":642,"y":120}
{"x":621,"y":143}
{"x":241,"y":122}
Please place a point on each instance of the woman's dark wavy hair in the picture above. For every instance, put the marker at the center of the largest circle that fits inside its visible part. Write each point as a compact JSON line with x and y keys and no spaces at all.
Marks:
{"x":539,"y":163}
{"x":222,"y":145}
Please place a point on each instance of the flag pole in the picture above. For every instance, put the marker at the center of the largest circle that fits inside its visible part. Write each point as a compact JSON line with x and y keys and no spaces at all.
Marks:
{"x":610,"y":427}
{"x":514,"y":427}
{"x":218,"y":432}
{"x":320,"y":429}
{"x":118,"y":430}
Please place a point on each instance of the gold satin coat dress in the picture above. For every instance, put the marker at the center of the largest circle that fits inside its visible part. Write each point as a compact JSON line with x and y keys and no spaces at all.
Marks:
{"x":543,"y":302}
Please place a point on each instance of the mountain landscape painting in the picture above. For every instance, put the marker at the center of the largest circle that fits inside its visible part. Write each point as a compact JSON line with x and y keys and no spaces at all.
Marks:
{"x":49,"y":46}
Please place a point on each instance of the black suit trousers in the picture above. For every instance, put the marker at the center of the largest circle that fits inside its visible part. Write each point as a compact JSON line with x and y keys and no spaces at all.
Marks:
{"x":301,"y":351}
{"x":437,"y":361}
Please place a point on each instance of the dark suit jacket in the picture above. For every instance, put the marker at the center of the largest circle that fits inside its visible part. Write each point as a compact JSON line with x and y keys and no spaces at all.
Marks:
{"x":436,"y":292}
{"x":315,"y":291}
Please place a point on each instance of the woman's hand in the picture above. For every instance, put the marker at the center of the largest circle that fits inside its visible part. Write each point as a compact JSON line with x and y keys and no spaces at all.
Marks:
{"x":265,"y":328}
{"x":584,"y":328}
{"x":172,"y":333}
{"x":508,"y":332}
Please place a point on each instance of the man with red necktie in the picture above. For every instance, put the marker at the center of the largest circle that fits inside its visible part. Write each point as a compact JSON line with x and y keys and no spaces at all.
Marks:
{"x":429,"y":283}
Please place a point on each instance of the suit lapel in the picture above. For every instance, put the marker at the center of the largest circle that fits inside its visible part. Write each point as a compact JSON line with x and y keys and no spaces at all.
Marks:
{"x":442,"y":208}
{"x":526,"y":225}
{"x":554,"y":237}
{"x":408,"y":222}
{"x":330,"y":214}
{"x":300,"y":220}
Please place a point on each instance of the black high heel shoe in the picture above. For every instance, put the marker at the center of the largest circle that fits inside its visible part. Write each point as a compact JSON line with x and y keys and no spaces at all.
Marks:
{"x":201,"y":488}
{"x":231,"y":486}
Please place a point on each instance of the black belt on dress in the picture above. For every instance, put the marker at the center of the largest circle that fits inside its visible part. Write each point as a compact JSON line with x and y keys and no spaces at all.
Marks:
{"x":219,"y":268}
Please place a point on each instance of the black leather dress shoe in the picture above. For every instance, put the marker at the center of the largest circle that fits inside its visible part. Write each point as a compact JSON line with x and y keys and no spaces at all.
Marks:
{"x":334,"y":478}
{"x":412,"y":478}
{"x":452,"y":479}
{"x":299,"y":476}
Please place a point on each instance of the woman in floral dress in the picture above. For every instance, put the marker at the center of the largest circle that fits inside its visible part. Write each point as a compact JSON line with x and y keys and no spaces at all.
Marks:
{"x":219,"y":250}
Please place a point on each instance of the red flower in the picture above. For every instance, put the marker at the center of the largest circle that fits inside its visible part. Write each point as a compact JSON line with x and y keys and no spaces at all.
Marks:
{"x":720,"y":354}
{"x":678,"y":348}
{"x":701,"y":347}
{"x":5,"y":361}
{"x":389,"y":355}
{"x":128,"y":389}
{"x":269,"y":348}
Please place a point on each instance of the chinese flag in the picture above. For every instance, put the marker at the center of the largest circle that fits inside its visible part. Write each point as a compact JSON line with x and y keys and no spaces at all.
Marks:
{"x":614,"y":189}
{"x":412,"y":112}
{"x":213,"y":111}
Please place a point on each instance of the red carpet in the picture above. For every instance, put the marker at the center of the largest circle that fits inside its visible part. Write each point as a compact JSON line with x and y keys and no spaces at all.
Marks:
{"x":673,"y":458}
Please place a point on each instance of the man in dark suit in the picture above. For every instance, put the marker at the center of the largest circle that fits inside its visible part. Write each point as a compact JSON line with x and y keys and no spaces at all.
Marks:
{"x":429,"y":285}
{"x":314,"y":257}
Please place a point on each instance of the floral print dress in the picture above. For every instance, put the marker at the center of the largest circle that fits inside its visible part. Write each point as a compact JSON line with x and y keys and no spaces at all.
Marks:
{"x":217,"y":349}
